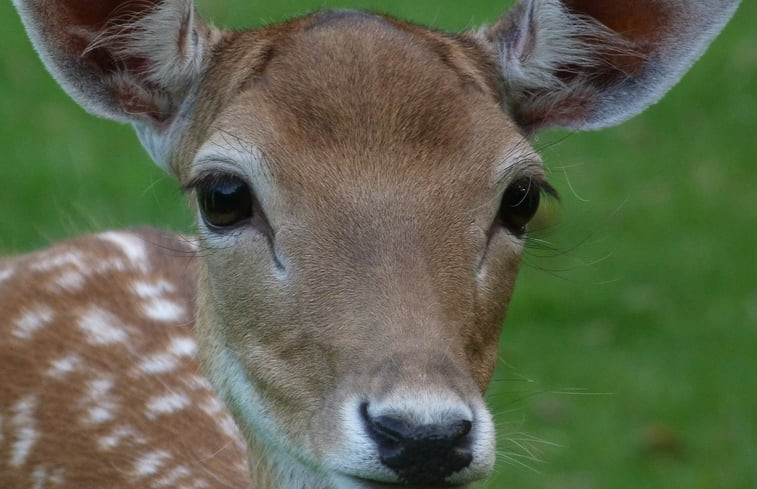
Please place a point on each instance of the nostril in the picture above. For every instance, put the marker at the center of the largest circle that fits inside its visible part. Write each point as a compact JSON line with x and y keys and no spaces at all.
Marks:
{"x":459,"y":429}
{"x":390,"y":429}
{"x":420,"y":454}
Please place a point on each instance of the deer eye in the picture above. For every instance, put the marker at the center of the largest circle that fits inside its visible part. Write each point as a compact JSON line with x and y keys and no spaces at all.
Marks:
{"x":225,"y":201}
{"x":519,"y":204}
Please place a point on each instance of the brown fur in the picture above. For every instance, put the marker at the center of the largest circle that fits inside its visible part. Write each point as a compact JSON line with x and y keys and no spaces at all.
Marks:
{"x":72,"y":447}
{"x":367,"y":129}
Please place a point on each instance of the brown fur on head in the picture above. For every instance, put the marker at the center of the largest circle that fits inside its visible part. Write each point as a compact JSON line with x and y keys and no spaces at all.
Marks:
{"x":349,"y":310}
{"x":365,"y":177}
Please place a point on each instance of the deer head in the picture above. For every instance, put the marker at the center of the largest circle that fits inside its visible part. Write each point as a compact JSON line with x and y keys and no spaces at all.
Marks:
{"x":362,"y":189}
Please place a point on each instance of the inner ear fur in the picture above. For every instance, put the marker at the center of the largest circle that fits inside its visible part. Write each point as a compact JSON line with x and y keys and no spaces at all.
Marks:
{"x":128,"y":60}
{"x":588,"y":64}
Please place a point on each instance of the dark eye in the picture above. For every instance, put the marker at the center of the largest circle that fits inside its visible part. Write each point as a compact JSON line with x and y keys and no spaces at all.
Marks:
{"x":224,"y":200}
{"x":519,"y":204}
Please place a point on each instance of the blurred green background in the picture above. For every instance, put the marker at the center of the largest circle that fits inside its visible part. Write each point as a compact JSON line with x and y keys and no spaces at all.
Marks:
{"x":629,"y":357}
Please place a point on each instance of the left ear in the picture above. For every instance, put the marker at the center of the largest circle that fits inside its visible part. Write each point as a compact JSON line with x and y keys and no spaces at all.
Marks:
{"x":588,"y":64}
{"x":129,"y":60}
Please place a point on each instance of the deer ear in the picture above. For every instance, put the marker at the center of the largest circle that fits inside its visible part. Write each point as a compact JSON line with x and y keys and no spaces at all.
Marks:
{"x":588,"y":64}
{"x":128,"y":60}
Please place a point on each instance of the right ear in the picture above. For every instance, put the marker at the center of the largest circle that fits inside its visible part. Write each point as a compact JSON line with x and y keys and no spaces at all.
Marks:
{"x":589,"y":64}
{"x":128,"y":60}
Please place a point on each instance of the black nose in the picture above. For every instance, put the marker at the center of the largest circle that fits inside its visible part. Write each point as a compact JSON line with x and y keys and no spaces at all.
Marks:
{"x":420,"y":454}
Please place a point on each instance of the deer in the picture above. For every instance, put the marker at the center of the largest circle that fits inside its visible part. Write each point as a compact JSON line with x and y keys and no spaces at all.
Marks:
{"x":362,"y":187}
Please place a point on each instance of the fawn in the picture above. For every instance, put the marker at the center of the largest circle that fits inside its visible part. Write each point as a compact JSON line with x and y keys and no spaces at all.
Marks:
{"x":362,"y":188}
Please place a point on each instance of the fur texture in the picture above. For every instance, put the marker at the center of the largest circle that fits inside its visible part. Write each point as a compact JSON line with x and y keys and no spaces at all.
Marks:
{"x":589,"y":64}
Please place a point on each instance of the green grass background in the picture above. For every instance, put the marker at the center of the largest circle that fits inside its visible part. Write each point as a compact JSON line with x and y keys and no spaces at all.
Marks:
{"x":629,"y":358}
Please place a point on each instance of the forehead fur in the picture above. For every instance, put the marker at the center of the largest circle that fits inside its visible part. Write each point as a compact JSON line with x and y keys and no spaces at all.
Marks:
{"x":362,"y":92}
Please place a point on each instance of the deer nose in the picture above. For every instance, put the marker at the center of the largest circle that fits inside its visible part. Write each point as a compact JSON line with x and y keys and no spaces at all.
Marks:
{"x":420,"y":454}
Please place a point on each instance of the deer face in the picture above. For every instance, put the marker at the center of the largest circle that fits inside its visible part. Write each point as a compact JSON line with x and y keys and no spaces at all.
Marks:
{"x":366,"y":270}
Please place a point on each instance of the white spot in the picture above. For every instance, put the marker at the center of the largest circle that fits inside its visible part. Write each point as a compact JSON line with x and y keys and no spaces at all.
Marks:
{"x":112,"y":264}
{"x":98,"y":415}
{"x":102,"y":327}
{"x":183,"y":347}
{"x":130,"y":245}
{"x":6,"y":274}
{"x":57,"y":477}
{"x":230,"y":429}
{"x":163,"y":310}
{"x":99,"y":404}
{"x":42,"y":476}
{"x":99,"y":388}
{"x":60,"y":367}
{"x":39,"y":477}
{"x":60,"y":259}
{"x":212,"y":406}
{"x":118,"y":435}
{"x":173,"y":476}
{"x":150,"y":463}
{"x":158,"y":364}
{"x":166,"y":404}
{"x":31,"y":321}
{"x":148,"y":290}
{"x":70,"y":280}
{"x":200,"y":382}
{"x":26,"y":430}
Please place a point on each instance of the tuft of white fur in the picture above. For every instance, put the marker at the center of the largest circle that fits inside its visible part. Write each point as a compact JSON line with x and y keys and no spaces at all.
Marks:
{"x":558,"y":65}
{"x":174,"y":51}
{"x":358,"y":455}
{"x":552,"y":38}
{"x":252,"y":413}
{"x":158,"y":52}
{"x":548,"y":40}
{"x":26,"y":433}
{"x":165,"y":37}
{"x":422,"y":406}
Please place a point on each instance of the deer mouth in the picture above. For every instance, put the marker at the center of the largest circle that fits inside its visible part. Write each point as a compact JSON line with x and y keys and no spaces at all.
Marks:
{"x":360,"y":483}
